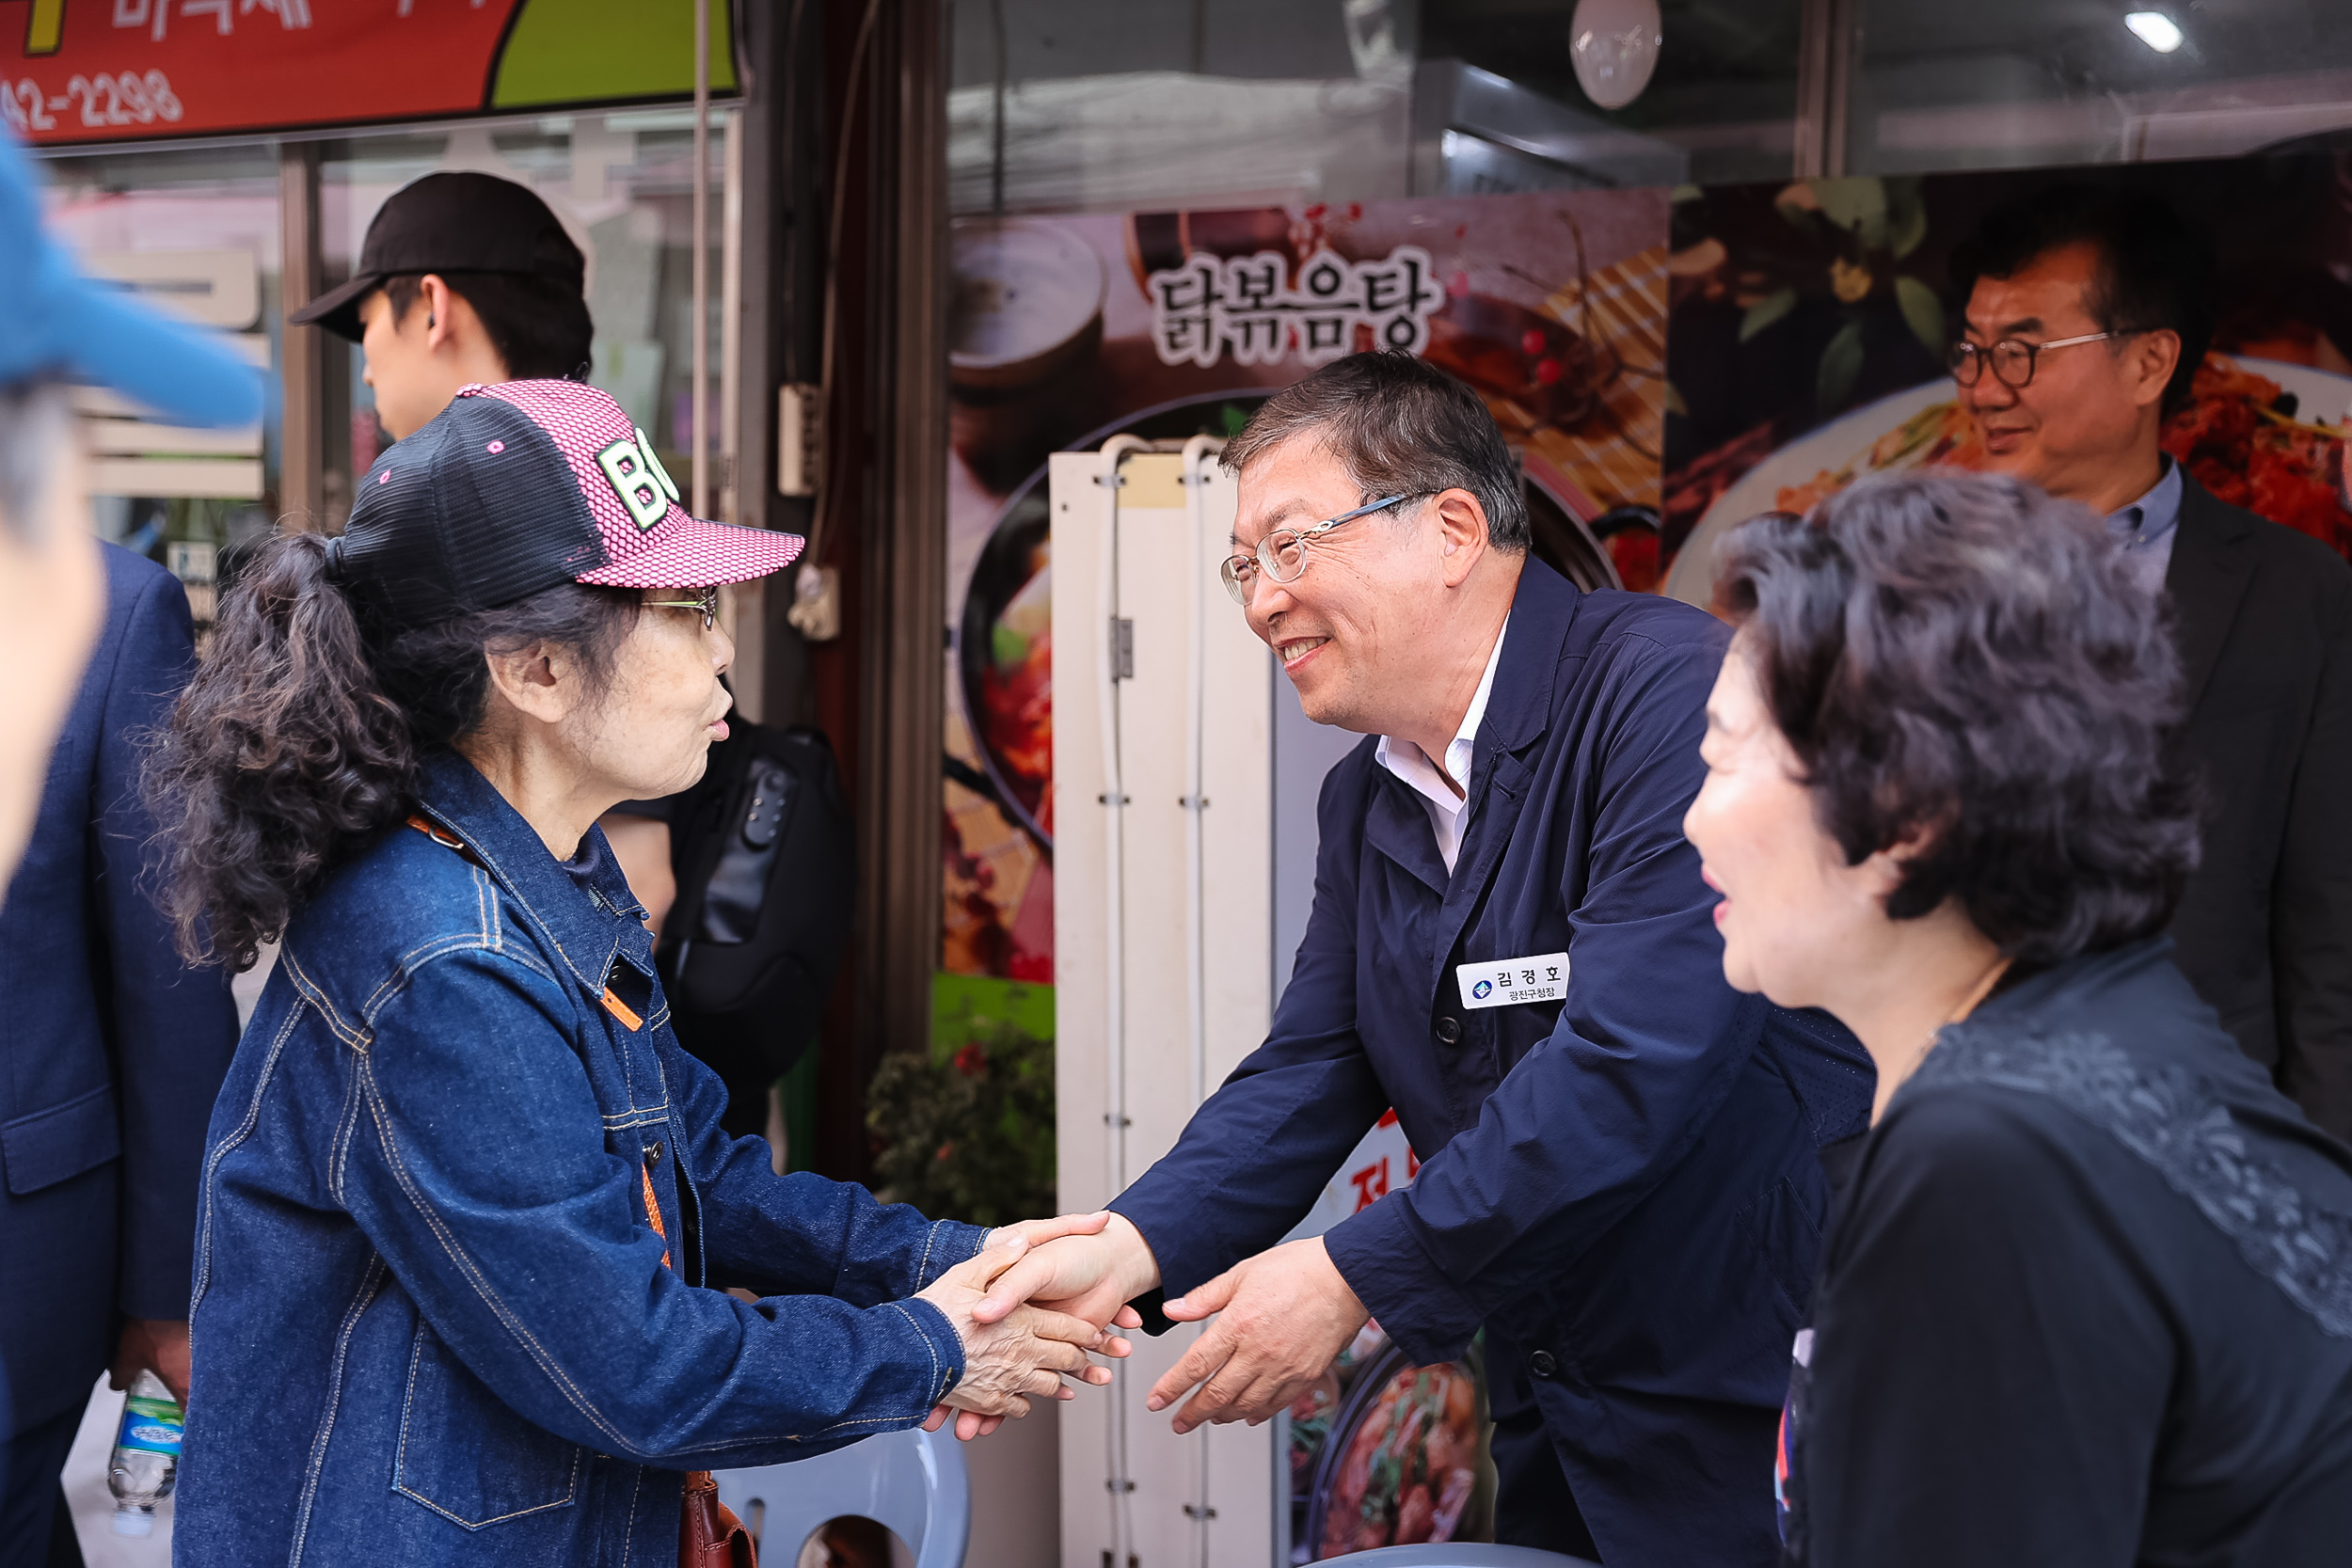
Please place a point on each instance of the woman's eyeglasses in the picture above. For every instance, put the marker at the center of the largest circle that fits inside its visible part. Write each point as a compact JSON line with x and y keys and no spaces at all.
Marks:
{"x":1282,"y":554}
{"x":704,"y":600}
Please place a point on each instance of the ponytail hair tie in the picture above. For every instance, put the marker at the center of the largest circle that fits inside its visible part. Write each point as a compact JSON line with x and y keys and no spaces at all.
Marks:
{"x":333,"y":559}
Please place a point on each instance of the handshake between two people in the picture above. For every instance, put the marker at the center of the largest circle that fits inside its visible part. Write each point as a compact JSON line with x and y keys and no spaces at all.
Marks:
{"x":1043,"y":1293}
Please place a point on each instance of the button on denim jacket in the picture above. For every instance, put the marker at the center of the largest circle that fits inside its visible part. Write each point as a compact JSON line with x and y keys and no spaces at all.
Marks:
{"x":432,"y":1322}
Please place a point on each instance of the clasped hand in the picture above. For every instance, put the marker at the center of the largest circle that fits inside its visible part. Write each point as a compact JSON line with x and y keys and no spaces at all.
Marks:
{"x":1022,"y":1350}
{"x":1281,"y":1316}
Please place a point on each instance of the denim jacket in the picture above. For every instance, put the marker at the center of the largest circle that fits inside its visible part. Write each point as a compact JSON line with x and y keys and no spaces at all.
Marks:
{"x":432,"y":1321}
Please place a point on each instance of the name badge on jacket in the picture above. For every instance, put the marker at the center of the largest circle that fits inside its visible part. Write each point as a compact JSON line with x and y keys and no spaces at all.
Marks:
{"x":1503,"y":982}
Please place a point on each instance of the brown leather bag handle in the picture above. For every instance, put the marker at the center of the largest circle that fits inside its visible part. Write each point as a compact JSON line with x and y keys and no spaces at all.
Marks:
{"x":709,"y":1533}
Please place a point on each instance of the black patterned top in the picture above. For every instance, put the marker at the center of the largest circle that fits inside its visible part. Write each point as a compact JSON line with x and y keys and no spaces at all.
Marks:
{"x":2086,"y":1299}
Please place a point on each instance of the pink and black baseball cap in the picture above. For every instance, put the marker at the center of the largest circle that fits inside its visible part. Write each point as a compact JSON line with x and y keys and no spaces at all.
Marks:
{"x":519,"y":486}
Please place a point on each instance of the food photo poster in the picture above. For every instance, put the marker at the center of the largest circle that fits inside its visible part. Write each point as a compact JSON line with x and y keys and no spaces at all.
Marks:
{"x":1666,"y":363}
{"x":1065,"y":331}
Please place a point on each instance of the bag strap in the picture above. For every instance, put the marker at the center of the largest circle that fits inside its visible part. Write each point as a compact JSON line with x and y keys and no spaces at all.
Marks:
{"x":709,"y":1533}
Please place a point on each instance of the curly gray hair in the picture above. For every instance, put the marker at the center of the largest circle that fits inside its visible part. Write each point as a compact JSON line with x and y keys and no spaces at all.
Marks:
{"x":1961,"y":660}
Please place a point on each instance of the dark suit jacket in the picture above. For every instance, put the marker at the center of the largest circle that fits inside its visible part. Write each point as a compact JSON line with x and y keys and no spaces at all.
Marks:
{"x":110,"y":1051}
{"x":2263,"y":617}
{"x":1621,"y":1182}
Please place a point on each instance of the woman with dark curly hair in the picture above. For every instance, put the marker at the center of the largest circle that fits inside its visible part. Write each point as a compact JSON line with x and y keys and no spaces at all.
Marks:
{"x":2086,"y":1297}
{"x":467,"y":1210}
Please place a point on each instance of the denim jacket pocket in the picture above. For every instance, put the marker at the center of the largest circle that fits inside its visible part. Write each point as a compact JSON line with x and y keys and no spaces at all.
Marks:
{"x":469,"y":1457}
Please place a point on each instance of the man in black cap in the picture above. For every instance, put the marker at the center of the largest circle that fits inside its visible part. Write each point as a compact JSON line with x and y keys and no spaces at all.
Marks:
{"x":464,"y":277}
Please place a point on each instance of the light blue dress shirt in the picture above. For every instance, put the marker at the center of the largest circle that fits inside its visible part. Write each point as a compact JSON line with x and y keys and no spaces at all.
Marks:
{"x":2145,"y":530}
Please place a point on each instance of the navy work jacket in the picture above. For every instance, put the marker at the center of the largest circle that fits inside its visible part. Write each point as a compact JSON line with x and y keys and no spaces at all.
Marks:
{"x":111,"y":1050}
{"x":1623,"y":1184}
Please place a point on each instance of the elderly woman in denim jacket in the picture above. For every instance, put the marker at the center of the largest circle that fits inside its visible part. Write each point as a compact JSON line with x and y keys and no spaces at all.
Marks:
{"x":468,"y":1213}
{"x":2086,"y":1297}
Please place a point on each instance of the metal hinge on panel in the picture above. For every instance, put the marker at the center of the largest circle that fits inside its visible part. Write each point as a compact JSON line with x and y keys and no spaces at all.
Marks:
{"x":1118,"y":1483}
{"x":1123,"y":649}
{"x":1199,"y":1511}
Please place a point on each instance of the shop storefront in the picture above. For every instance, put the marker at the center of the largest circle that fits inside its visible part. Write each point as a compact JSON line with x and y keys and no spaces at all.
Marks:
{"x":910,"y":255}
{"x":1802,"y":169}
{"x":1694,"y":259}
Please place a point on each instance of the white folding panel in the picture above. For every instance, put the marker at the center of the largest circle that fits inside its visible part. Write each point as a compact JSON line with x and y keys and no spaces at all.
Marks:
{"x":1161,"y":927}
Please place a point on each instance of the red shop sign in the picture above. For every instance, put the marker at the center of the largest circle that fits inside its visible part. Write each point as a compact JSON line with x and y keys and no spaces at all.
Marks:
{"x":97,"y":71}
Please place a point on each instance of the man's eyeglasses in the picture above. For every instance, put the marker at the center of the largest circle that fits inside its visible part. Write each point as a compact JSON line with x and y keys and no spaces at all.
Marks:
{"x":2011,"y":358}
{"x":704,"y":600}
{"x":1282,"y":554}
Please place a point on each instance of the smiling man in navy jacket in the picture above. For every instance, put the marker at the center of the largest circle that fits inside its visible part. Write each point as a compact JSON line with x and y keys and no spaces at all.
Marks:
{"x":1618,"y":1179}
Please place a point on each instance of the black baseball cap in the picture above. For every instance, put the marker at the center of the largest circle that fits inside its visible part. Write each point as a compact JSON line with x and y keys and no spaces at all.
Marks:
{"x":521,"y":485}
{"x":456,"y":222}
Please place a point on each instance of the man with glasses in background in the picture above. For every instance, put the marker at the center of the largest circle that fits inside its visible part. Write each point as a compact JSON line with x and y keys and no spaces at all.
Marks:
{"x":2087,"y":316}
{"x":1513,"y":946}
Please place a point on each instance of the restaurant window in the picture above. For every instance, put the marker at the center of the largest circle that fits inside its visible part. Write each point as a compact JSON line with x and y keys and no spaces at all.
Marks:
{"x":2004,"y":83}
{"x":1719,"y":104}
{"x":199,"y":231}
{"x":196,"y":232}
{"x":1073,"y":106}
{"x":1069,"y":105}
{"x":622,"y":185}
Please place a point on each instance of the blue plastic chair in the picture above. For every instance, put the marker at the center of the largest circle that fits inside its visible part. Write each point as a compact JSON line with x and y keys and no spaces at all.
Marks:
{"x":913,"y":1481}
{"x":1462,"y":1556}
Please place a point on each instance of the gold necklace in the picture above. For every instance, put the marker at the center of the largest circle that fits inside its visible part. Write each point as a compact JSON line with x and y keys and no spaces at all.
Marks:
{"x":1968,"y":1004}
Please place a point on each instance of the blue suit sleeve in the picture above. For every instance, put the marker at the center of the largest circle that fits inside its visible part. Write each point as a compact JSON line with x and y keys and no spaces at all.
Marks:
{"x":1255,"y":1156}
{"x":1649,"y":1042}
{"x":174,"y":1028}
{"x":478,"y":1168}
{"x":802,"y":1234}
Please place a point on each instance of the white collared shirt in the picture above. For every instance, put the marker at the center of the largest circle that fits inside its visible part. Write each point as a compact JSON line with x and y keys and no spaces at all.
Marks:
{"x":1449,"y":812}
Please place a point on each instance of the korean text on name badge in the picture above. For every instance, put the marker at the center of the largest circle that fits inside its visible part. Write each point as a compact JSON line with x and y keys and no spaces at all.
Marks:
{"x":1504,"y":982}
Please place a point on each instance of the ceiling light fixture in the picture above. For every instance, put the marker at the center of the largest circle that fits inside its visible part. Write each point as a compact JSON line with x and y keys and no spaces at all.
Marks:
{"x":2157,"y":30}
{"x":1614,"y":44}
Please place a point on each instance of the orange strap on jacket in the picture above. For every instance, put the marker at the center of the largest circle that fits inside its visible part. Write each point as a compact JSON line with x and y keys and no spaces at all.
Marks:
{"x":653,"y":1212}
{"x":435,"y":832}
{"x":442,"y":836}
{"x":612,"y":1004}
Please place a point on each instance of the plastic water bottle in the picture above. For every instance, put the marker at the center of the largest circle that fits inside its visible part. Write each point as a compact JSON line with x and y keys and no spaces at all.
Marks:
{"x":146,"y":1459}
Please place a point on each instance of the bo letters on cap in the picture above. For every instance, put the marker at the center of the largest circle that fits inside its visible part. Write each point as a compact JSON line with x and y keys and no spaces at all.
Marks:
{"x":645,"y":488}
